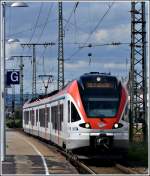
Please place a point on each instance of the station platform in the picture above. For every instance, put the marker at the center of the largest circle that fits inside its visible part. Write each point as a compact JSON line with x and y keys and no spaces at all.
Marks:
{"x":27,"y":155}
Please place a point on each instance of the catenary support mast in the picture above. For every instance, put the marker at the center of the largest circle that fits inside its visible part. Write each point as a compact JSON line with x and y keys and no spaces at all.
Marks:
{"x":60,"y":82}
{"x":138,"y":70}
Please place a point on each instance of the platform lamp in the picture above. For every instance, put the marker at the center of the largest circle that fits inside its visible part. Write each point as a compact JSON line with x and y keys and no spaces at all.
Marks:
{"x":2,"y":76}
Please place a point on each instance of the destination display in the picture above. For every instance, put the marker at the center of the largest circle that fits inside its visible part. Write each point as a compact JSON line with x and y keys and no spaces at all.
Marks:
{"x":99,"y":85}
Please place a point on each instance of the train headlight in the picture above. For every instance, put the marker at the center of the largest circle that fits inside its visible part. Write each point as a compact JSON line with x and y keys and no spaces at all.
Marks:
{"x":85,"y":125}
{"x":117,"y":125}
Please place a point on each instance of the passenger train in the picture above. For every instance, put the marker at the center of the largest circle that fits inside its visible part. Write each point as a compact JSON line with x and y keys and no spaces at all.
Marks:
{"x":89,"y":112}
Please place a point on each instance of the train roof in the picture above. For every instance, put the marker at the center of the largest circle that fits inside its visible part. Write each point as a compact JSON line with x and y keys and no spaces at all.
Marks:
{"x":91,"y":74}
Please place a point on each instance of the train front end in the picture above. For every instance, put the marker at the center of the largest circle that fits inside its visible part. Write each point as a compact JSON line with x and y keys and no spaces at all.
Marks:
{"x":100,"y":101}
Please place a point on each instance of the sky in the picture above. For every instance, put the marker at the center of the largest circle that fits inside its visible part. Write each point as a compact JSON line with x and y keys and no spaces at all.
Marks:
{"x":96,"y":23}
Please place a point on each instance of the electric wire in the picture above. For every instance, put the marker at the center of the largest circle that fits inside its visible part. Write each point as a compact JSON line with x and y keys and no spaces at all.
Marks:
{"x":100,"y":21}
{"x":34,"y":27}
{"x":72,"y":12}
{"x":30,"y":29}
{"x":45,"y":24}
{"x":94,"y":29}
{"x":36,"y":23}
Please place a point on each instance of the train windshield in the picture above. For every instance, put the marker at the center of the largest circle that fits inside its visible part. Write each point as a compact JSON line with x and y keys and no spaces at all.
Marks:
{"x":100,"y":98}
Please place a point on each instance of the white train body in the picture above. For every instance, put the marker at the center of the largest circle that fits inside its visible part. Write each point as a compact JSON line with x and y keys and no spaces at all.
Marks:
{"x":62,"y":119}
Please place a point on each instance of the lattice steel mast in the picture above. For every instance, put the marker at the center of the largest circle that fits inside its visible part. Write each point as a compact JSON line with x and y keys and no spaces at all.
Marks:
{"x":21,"y":77}
{"x":138,"y":77}
{"x":34,"y":62}
{"x":60,"y":82}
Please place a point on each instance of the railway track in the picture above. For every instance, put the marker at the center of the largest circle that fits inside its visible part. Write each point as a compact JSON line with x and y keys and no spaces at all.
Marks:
{"x":85,"y":166}
{"x":97,"y":167}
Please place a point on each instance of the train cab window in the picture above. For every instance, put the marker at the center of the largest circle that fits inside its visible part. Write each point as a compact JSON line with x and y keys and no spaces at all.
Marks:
{"x":74,"y":114}
{"x":125,"y":116}
{"x":68,"y":111}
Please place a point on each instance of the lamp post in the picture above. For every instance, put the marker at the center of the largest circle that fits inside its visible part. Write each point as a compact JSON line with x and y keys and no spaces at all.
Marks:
{"x":2,"y":77}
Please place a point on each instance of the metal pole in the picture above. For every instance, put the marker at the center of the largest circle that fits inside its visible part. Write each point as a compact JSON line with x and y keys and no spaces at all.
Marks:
{"x":21,"y":81}
{"x":34,"y":62}
{"x":50,"y":79}
{"x":34,"y":73}
{"x":138,"y":76}
{"x":13,"y":104}
{"x":132,"y":74}
{"x":60,"y":82}
{"x":21,"y":76}
{"x":144,"y":69}
{"x":3,"y":135}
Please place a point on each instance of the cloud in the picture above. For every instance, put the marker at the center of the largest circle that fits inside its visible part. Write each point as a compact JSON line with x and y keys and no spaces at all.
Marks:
{"x":101,"y":35}
{"x":119,"y":33}
{"x":118,"y":66}
{"x":11,"y":49}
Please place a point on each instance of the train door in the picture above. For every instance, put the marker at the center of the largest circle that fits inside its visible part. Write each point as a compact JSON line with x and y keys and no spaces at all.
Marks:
{"x":58,"y":121}
{"x":46,"y":121}
{"x":29,"y":121}
{"x":68,"y":126}
{"x":50,"y":123}
{"x":32,"y":121}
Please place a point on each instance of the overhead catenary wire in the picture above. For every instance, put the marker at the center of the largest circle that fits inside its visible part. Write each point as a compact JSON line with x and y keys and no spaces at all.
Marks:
{"x":38,"y":26}
{"x":46,"y":22}
{"x":34,"y":27}
{"x":36,"y":23}
{"x":30,"y":28}
{"x":42,"y":32}
{"x":100,"y":21}
{"x":94,"y":29}
{"x":72,"y":12}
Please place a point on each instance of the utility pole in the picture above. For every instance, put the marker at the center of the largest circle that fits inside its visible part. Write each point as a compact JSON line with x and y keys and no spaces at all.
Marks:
{"x":138,"y":71}
{"x":46,"y":83}
{"x":34,"y":62}
{"x":60,"y":82}
{"x":21,"y":77}
{"x":13,"y":104}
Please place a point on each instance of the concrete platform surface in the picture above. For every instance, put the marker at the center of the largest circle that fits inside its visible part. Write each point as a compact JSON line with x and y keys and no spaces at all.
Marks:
{"x":27,"y":155}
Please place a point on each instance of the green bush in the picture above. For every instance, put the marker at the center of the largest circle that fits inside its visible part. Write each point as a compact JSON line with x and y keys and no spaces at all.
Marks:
{"x":10,"y":123}
{"x":139,"y":153}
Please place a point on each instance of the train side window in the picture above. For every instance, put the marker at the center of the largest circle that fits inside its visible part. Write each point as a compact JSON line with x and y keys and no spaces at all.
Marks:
{"x":68,"y":111}
{"x":54,"y":116}
{"x":32,"y":117}
{"x":46,"y":116}
{"x":61,"y":112}
{"x":74,"y":114}
{"x":26,"y":117}
{"x":42,"y":117}
{"x":36,"y":116}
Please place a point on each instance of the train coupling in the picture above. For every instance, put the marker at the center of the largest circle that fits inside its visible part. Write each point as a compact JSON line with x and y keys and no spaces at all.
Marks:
{"x":102,"y":140}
